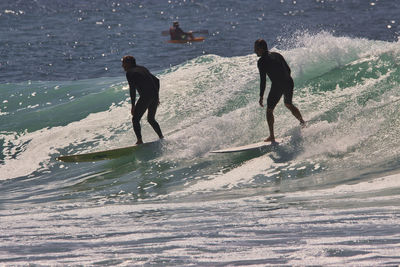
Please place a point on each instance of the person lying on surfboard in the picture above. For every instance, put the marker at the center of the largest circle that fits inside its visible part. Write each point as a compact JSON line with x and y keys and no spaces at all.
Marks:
{"x":274,"y":65}
{"x":148,"y":86}
{"x":178,"y":34}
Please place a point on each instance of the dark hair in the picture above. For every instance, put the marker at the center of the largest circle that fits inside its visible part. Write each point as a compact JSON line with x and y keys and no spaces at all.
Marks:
{"x":261,"y":43}
{"x":130,"y":60}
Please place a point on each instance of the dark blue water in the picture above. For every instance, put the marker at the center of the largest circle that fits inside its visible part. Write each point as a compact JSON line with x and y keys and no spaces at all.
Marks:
{"x":327,"y":196}
{"x":55,"y":40}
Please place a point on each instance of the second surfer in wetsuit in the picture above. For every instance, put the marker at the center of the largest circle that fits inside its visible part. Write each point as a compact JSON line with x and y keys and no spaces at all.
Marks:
{"x":148,"y":86}
{"x":274,"y":65}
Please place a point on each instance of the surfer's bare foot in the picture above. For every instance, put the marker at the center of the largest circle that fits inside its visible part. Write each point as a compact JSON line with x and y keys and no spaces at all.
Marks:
{"x":270,"y":139}
{"x":303,"y":124}
{"x":139,"y":142}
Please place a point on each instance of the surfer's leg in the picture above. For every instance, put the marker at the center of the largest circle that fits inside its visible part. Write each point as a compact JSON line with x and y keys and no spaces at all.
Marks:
{"x":270,"y":120}
{"x":288,"y":96}
{"x":140,"y":108}
{"x":296,"y":112}
{"x":151,"y":114}
{"x":273,"y":98}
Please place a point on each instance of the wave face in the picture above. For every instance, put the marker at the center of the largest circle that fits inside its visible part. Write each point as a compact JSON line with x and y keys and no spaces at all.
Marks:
{"x":346,"y":88}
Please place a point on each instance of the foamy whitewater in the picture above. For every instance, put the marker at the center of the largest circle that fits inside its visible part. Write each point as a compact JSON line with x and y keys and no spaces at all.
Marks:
{"x":329,"y":195}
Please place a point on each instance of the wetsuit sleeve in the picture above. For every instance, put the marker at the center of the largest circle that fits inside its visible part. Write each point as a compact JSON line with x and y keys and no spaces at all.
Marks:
{"x":132,"y":89}
{"x":157,"y":83}
{"x":263,"y":79}
{"x":286,"y":65}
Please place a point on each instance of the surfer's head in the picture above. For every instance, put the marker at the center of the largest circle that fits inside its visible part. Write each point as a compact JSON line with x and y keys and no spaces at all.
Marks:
{"x":175,"y":24}
{"x":128,"y":62}
{"x":260,"y":47}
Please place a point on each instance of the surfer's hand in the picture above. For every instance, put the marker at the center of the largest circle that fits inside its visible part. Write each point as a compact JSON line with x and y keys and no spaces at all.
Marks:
{"x":261,"y":102}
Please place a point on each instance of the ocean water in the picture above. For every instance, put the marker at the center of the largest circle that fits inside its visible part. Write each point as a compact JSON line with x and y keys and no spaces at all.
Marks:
{"x":328,"y":196}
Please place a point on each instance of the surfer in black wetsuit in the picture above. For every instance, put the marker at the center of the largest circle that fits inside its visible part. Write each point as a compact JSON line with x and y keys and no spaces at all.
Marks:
{"x":178,"y":34}
{"x":274,"y":65}
{"x":148,"y":86}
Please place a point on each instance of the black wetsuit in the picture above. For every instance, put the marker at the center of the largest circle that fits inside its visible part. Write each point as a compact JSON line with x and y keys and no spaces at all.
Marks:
{"x":274,"y":65}
{"x":148,"y":86}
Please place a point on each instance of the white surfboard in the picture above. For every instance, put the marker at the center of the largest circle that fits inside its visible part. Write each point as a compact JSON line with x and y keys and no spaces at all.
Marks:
{"x":255,"y":146}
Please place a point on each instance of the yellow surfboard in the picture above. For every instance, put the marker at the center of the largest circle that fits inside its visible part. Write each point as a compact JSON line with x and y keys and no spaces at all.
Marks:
{"x":109,"y":154}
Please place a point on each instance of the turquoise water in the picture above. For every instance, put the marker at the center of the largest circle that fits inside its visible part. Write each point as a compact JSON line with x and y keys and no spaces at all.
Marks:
{"x":327,"y":196}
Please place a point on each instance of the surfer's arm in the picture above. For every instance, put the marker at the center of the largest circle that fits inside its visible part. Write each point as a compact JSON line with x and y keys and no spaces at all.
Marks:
{"x":286,"y":65}
{"x":288,"y":68}
{"x":132,"y":88}
{"x":156,"y":82}
{"x":132,"y":92}
{"x":263,"y":81}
